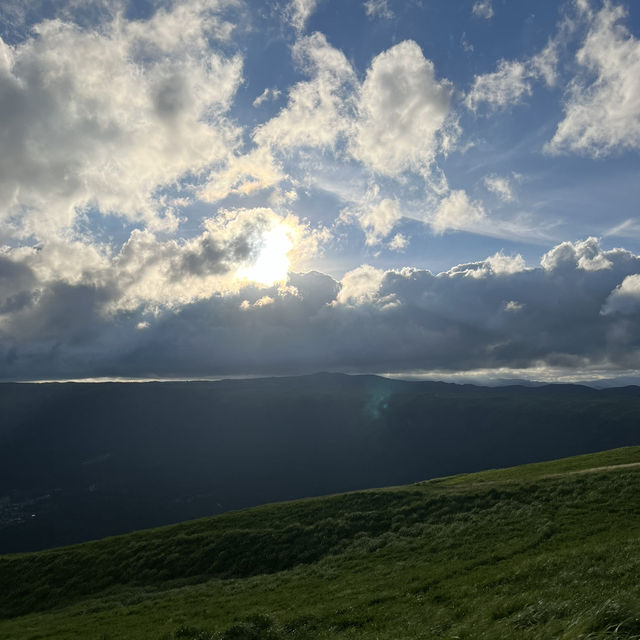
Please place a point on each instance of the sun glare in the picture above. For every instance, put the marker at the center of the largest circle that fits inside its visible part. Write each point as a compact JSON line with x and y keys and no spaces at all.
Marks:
{"x":271,"y":264}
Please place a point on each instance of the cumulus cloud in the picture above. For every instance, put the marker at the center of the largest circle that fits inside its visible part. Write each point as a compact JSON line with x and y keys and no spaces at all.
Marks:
{"x":492,"y":313}
{"x":402,"y":109}
{"x":243,"y":175}
{"x":149,"y":273}
{"x":393,"y":123}
{"x":625,"y":298}
{"x":376,"y":216}
{"x":379,"y":220}
{"x":318,"y":110}
{"x":602,"y":112}
{"x":512,"y":80}
{"x":360,"y":285}
{"x":456,"y":212}
{"x":483,"y":9}
{"x":398,"y":242}
{"x":105,"y":118}
{"x":502,"y":87}
{"x":585,"y":255}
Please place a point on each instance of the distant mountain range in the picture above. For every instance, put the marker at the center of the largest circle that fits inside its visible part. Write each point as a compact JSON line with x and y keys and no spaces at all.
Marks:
{"x":82,"y":461}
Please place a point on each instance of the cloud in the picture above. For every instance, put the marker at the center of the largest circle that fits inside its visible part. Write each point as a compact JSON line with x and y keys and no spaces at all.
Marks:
{"x":625,"y":298}
{"x":602,"y":112}
{"x":545,"y":64}
{"x":456,"y":212}
{"x":585,"y":255}
{"x":483,"y":9}
{"x":513,"y":80}
{"x":318,"y":110}
{"x":378,"y":9}
{"x":500,"y":186}
{"x":402,"y":109}
{"x":489,"y":314}
{"x":267,"y":94}
{"x":243,"y":175}
{"x":149,"y":273}
{"x":360,"y":285}
{"x":392,"y":124}
{"x":104,"y":118}
{"x":298,"y":12}
{"x":513,"y":305}
{"x":378,"y":221}
{"x":501,"y":88}
{"x":398,"y":242}
{"x":376,"y":216}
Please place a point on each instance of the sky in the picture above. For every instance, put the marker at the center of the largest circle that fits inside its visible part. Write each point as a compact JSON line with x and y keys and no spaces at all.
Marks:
{"x":210,"y":188}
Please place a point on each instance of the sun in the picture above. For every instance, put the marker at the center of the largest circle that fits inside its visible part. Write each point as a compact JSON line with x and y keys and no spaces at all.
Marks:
{"x":272,"y":263}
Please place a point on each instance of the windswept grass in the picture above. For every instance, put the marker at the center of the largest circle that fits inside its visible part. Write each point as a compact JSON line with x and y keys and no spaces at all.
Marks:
{"x":543,"y":551}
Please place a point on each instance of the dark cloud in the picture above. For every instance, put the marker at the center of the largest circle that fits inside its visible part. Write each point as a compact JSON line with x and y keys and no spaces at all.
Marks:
{"x":482,"y":315}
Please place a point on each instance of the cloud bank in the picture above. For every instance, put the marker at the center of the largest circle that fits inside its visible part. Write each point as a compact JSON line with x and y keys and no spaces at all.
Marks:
{"x":579,"y":308}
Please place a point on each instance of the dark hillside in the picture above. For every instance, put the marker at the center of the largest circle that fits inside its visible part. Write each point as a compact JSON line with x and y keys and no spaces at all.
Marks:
{"x":83,"y":461}
{"x":543,"y":551}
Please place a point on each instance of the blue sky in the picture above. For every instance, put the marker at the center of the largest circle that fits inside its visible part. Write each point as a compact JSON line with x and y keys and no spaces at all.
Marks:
{"x":221,"y":187}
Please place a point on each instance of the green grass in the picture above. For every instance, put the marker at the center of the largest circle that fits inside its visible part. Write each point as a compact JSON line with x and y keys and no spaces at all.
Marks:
{"x":550,"y":550}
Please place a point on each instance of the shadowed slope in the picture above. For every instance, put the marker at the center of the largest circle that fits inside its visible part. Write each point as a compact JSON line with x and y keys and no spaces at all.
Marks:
{"x":545,"y":550}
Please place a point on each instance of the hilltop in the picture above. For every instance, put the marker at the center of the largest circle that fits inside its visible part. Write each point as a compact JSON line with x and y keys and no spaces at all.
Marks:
{"x":549,"y":550}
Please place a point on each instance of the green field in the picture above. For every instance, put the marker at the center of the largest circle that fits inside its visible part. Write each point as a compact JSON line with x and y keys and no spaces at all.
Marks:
{"x":550,"y":550}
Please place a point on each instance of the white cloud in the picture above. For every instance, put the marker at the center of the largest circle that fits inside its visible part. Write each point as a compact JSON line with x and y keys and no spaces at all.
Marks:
{"x":243,"y":175}
{"x":396,"y":122}
{"x":498,"y":264}
{"x":513,"y":306}
{"x":586,"y":255}
{"x":602,"y":113}
{"x":376,"y":216}
{"x":298,"y":12}
{"x":625,"y":298}
{"x":379,"y":220}
{"x":513,"y":80}
{"x":505,"y":265}
{"x":105,"y":118}
{"x":629,"y":228}
{"x":173,"y":273}
{"x":402,"y":109}
{"x":500,"y":88}
{"x":267,"y":94}
{"x":360,"y":285}
{"x":500,"y":186}
{"x":398,"y":242}
{"x":483,"y":9}
{"x":456,"y":211}
{"x":545,"y":64}
{"x":318,"y":110}
{"x":378,"y":9}
{"x":152,"y":273}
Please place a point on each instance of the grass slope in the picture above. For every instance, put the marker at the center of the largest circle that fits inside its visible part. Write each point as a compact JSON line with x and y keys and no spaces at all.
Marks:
{"x":549,"y":550}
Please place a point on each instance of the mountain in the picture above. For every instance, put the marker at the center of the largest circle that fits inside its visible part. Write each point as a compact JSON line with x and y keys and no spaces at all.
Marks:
{"x":542,"y":551}
{"x":84,"y":461}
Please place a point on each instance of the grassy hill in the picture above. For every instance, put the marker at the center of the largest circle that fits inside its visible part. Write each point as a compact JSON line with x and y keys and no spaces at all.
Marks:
{"x":549,"y":550}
